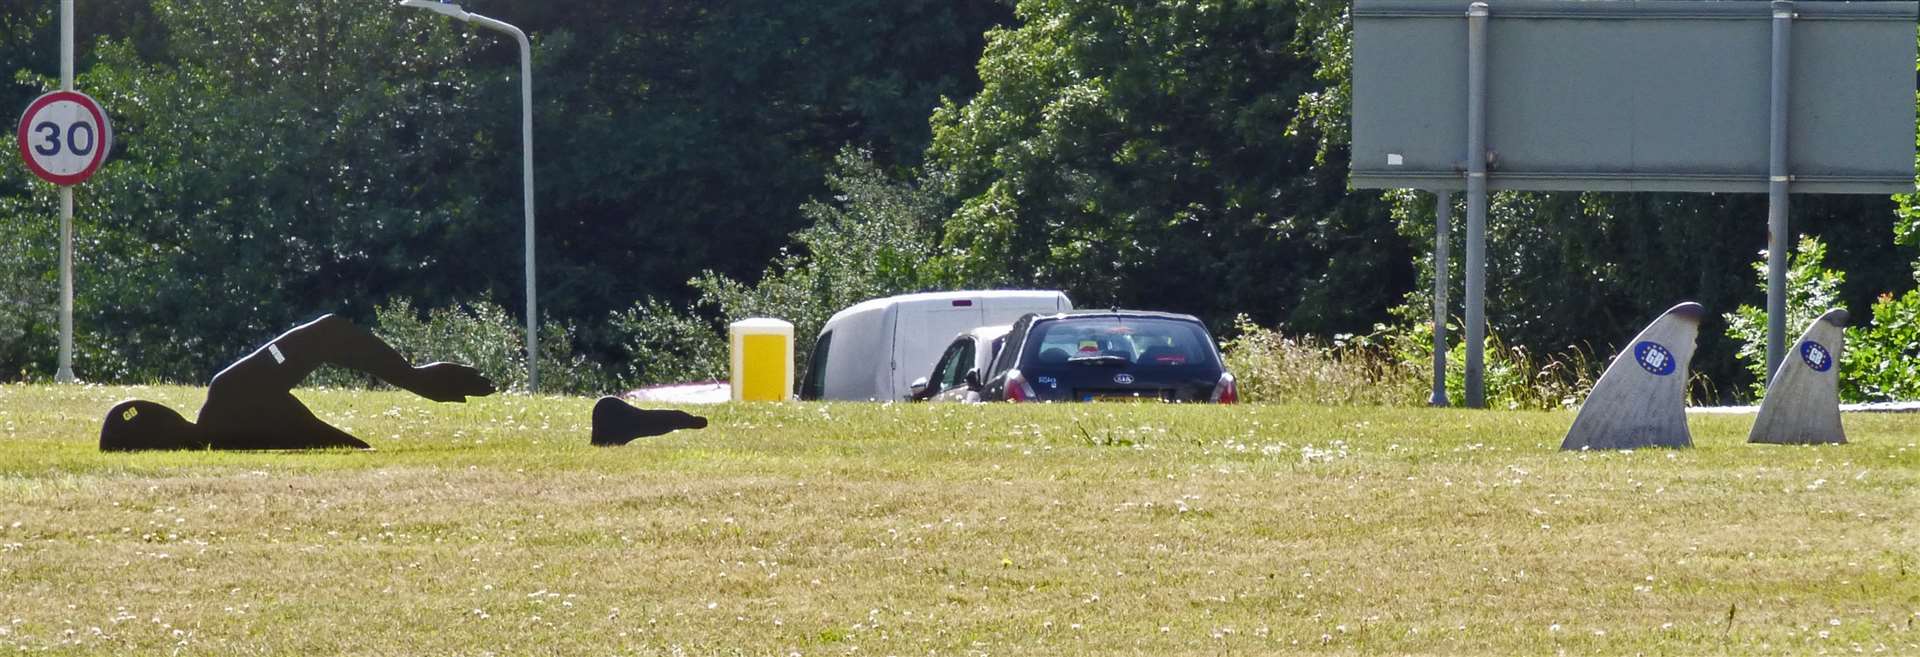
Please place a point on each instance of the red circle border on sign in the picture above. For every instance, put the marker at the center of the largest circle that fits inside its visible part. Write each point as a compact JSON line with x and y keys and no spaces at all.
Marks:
{"x":99,"y":153}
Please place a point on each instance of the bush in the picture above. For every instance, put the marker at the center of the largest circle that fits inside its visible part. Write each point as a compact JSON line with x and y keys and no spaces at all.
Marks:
{"x":1392,"y":367}
{"x":876,"y":239}
{"x":664,"y":344}
{"x":1272,"y":367}
{"x":483,"y":335}
{"x":1882,"y":360}
{"x":1812,"y":290}
{"x":1512,"y":377}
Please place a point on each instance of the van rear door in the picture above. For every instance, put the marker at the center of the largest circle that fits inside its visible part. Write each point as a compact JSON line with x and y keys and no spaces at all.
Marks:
{"x":922,"y":330}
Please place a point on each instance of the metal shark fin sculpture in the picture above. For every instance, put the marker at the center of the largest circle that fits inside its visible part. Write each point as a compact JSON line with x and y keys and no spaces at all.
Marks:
{"x":1802,"y":406}
{"x":250,"y":404}
{"x":1641,"y":399}
{"x":617,"y":423}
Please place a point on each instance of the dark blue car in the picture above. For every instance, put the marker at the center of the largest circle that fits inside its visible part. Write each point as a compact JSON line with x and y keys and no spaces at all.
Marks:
{"x":1116,"y":355}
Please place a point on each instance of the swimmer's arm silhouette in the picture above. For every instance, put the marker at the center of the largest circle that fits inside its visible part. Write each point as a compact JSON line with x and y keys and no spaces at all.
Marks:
{"x":285,"y":361}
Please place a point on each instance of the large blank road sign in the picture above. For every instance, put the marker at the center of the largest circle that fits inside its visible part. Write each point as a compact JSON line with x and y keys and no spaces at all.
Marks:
{"x":1653,"y":95}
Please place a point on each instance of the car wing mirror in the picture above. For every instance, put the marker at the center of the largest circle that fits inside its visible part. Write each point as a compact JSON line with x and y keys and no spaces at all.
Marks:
{"x":973,"y":380}
{"x":918,"y":387}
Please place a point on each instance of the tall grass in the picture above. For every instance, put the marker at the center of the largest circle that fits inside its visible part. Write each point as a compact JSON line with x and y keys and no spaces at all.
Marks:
{"x":1393,"y":367}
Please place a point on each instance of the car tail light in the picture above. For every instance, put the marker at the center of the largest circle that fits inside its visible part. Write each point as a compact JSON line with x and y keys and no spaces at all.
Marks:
{"x":1017,"y":388}
{"x":1226,"y":391}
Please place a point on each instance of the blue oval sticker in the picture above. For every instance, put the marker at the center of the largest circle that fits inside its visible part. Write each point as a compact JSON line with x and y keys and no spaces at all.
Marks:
{"x":1816,"y":356}
{"x":1653,"y":358}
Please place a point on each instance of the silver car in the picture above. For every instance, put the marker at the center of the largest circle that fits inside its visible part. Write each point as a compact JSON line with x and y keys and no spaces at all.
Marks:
{"x":956,"y":376}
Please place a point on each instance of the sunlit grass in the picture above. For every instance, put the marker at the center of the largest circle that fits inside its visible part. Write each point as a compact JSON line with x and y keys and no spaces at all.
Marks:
{"x":492,"y":527}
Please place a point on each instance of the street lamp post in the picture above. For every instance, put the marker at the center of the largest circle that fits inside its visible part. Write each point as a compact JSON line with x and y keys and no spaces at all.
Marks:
{"x":526,"y":138}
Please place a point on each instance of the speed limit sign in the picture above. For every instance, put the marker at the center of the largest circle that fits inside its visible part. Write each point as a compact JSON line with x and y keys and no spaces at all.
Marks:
{"x":64,"y":136}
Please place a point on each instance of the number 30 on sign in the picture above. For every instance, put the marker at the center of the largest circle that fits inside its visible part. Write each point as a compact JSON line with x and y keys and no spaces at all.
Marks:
{"x":64,"y":137}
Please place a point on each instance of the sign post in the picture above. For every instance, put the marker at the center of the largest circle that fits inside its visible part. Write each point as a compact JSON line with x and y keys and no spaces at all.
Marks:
{"x":64,"y":136}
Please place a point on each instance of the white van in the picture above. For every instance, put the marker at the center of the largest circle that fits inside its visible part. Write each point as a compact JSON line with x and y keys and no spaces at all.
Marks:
{"x":874,"y":349}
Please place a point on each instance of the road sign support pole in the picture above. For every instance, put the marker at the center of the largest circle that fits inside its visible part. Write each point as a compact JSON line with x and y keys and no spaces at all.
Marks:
{"x":65,"y":373}
{"x":1476,"y":273}
{"x":1779,"y":244}
{"x":1442,"y":217}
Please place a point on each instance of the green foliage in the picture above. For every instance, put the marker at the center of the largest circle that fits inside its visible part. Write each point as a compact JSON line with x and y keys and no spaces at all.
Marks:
{"x":664,"y":344}
{"x":1146,"y":154}
{"x":1271,"y":367}
{"x":875,"y":239}
{"x":1513,"y":377}
{"x":1812,"y":290}
{"x":1392,"y":366}
{"x":485,"y":336}
{"x":260,"y":181}
{"x":1881,"y":361}
{"x":683,"y":137}
{"x":279,"y":160}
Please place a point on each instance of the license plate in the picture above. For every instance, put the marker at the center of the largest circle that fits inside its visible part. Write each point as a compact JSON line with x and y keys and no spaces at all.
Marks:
{"x":1125,"y":399}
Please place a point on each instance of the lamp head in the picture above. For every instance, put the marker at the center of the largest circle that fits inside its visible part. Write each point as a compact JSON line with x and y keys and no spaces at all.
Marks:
{"x":447,"y":8}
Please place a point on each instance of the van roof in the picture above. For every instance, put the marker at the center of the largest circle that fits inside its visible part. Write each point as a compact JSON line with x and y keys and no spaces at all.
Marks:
{"x":882,"y":302}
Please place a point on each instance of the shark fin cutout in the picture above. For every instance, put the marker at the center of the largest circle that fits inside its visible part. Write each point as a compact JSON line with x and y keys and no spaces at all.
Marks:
{"x":1641,"y":399}
{"x":1802,"y":406}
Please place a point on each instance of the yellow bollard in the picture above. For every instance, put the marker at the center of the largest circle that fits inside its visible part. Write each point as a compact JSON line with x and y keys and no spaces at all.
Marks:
{"x":761,"y":351}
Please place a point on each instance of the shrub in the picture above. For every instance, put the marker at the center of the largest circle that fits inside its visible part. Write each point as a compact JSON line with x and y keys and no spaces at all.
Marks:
{"x":664,"y":344}
{"x":1272,"y":367}
{"x":1882,"y":360}
{"x":1392,"y":367}
{"x":1512,"y":377}
{"x":875,"y":239}
{"x":1812,"y":290}
{"x":483,"y":335}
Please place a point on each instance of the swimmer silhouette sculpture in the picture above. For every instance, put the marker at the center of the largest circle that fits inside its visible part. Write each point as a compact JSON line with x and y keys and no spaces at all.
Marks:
{"x":250,"y":404}
{"x":616,"y":423}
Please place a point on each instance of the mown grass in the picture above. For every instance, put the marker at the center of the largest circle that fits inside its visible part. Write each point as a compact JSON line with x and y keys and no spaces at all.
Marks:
{"x":868,"y":529}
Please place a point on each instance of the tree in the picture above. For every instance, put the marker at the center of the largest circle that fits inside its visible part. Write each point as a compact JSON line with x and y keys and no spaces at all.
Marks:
{"x":1149,"y":154}
{"x":878,"y":237}
{"x":280,"y":161}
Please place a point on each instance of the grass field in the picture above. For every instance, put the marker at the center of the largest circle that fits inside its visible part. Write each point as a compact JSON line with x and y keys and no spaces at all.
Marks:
{"x":869,"y":529}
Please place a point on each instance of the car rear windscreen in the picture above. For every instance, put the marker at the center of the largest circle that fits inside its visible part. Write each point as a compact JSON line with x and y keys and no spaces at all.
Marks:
{"x":1135,"y":342}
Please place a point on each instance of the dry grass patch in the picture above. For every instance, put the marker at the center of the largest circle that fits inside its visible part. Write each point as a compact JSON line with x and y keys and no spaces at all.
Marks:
{"x":838,"y":529}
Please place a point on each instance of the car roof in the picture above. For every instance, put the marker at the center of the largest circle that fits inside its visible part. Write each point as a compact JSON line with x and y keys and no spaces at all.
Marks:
{"x":1117,"y":312}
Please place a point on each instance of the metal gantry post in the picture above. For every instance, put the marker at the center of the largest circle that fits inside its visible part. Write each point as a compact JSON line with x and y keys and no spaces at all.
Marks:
{"x":1779,"y":244}
{"x":1476,"y":273}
